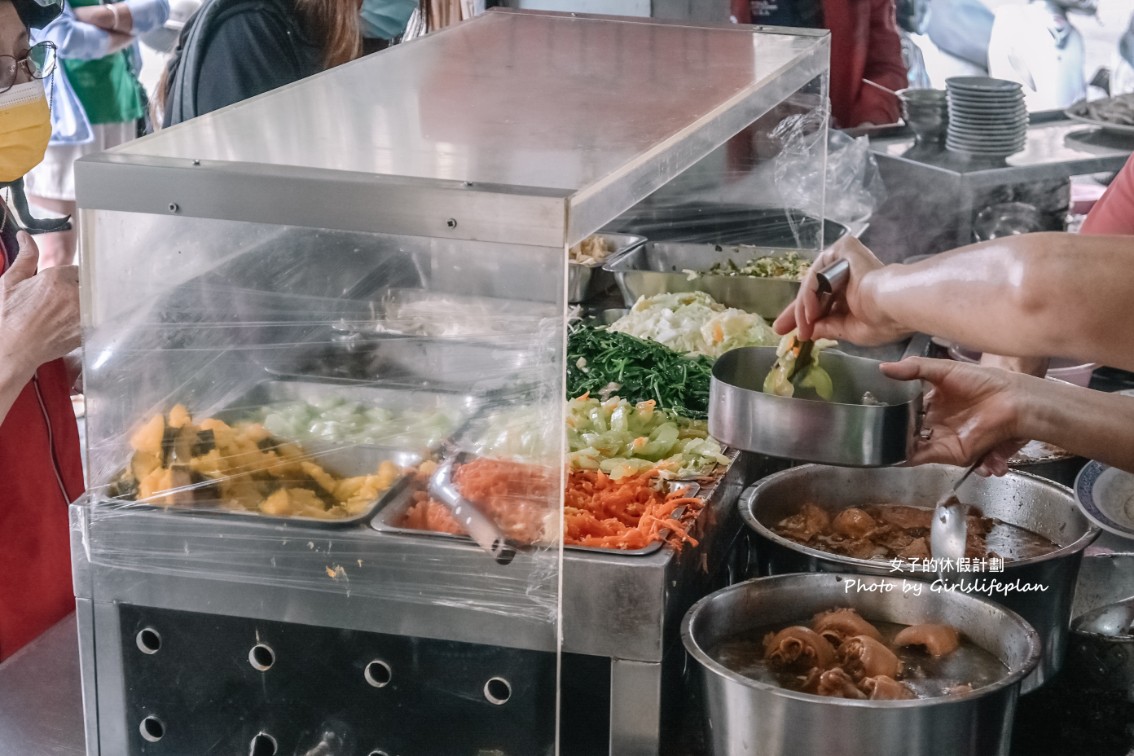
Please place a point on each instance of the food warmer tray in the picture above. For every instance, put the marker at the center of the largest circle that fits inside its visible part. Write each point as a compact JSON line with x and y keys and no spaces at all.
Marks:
{"x":394,"y":508}
{"x":345,"y":460}
{"x":587,"y":281}
{"x":614,"y":604}
{"x":266,"y":393}
{"x":624,"y":608}
{"x":1088,"y":113}
{"x":406,"y":344}
{"x":706,"y":223}
{"x":342,"y":462}
{"x":662,"y":267}
{"x":426,"y":362}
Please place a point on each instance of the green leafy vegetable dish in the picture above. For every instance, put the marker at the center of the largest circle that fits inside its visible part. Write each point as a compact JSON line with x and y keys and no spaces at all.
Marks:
{"x":608,"y":363}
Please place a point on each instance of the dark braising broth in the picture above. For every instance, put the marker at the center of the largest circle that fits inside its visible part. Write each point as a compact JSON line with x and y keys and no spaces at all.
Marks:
{"x":896,"y":531}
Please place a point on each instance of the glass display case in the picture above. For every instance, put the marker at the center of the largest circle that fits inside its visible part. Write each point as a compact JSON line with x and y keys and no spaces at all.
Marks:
{"x":324,"y":359}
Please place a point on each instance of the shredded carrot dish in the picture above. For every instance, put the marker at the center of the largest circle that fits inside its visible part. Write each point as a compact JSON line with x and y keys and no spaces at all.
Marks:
{"x":627,"y":514}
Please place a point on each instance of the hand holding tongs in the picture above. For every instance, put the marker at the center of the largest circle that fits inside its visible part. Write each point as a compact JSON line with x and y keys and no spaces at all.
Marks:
{"x":831,"y":280}
{"x":479,"y":525}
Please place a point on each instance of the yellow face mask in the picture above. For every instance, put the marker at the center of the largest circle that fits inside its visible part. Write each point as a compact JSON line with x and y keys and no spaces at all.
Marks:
{"x":25,"y":129}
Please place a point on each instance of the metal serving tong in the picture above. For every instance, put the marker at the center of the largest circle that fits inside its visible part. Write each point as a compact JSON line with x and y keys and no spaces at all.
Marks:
{"x":480,"y":526}
{"x":831,"y":280}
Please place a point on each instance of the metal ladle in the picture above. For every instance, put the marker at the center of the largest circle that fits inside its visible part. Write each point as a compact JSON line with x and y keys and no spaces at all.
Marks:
{"x":1114,"y":620}
{"x":949,"y":528}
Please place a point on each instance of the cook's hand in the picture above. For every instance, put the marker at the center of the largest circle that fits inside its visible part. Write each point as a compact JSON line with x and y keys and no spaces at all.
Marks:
{"x":39,"y":313}
{"x":971,"y":412}
{"x":995,"y":462}
{"x":854,"y":315}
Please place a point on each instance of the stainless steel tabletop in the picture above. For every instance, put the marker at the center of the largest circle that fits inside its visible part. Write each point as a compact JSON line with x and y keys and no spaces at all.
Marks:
{"x":41,"y":700}
{"x":1055,"y":148}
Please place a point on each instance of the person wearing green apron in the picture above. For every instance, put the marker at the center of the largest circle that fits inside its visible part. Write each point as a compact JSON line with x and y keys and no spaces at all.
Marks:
{"x":97,"y":101}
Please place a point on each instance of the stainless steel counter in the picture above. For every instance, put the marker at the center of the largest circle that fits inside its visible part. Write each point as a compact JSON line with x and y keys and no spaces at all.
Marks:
{"x":934,"y":197}
{"x":1055,"y":149}
{"x":41,"y":701}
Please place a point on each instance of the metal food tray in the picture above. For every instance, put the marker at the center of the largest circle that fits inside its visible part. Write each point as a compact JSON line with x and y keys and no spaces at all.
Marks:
{"x":444,"y":315}
{"x":660,"y":267}
{"x":695,"y":489}
{"x":839,"y":432}
{"x":342,"y":461}
{"x":712,"y":223}
{"x":394,"y":509}
{"x":424,"y":362}
{"x":587,"y":281}
{"x":267,"y":393}
{"x":1080,"y":111}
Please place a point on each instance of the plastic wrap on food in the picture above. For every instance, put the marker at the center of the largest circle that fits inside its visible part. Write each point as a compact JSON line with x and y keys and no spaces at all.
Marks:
{"x":760,"y":189}
{"x":251,"y":407}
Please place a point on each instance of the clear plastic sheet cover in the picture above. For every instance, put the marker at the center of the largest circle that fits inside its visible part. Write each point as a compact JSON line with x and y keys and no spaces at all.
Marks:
{"x":256,"y":395}
{"x":763,"y":188}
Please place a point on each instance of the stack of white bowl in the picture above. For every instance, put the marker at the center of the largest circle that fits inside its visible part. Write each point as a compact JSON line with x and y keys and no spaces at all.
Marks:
{"x":987,"y":117}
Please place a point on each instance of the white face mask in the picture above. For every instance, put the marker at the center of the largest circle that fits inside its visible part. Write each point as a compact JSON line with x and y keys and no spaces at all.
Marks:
{"x":25,"y":129}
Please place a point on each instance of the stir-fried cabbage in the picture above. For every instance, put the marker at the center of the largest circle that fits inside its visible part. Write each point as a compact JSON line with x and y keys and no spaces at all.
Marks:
{"x":694,"y":323}
{"x":810,"y":376}
{"x":342,"y":421}
{"x":512,"y":432}
{"x":615,"y":436}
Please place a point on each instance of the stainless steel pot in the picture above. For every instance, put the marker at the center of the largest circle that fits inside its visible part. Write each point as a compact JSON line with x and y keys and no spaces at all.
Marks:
{"x":1048,"y":462}
{"x":1027,"y":501}
{"x":1094,"y":660}
{"x":843,"y":431}
{"x":745,"y":716}
{"x":585,"y":281}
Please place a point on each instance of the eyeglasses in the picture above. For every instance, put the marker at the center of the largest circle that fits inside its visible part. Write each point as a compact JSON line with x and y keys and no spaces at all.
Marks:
{"x":39,"y":62}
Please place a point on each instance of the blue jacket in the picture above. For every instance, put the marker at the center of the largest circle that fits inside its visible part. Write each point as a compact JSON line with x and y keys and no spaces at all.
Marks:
{"x":78,"y":41}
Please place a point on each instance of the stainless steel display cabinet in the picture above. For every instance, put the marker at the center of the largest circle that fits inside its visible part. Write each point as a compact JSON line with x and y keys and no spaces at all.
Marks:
{"x":428,"y":193}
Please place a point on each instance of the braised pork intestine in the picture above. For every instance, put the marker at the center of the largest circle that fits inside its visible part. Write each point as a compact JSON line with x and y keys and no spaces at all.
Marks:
{"x":863,"y":656}
{"x":836,"y":682}
{"x":837,"y":625}
{"x":877,"y":531}
{"x":843,"y":654}
{"x":883,"y":688}
{"x":937,"y":640}
{"x":798,"y":648}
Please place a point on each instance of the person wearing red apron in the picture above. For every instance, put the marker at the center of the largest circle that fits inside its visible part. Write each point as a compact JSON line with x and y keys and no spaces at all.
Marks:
{"x":40,"y":465}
